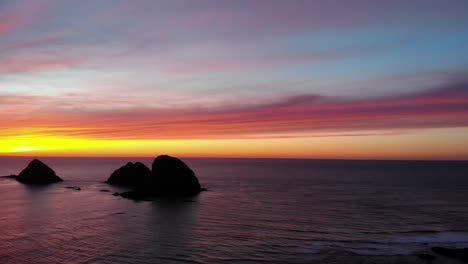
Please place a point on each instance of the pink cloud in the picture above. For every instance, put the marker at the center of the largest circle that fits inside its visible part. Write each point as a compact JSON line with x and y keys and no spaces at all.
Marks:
{"x":27,"y":43}
{"x":20,"y":15}
{"x":21,"y":64}
{"x":13,"y":20}
{"x":305,"y":115}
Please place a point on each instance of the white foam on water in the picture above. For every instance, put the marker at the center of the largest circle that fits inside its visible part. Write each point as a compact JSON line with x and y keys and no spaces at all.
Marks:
{"x":405,"y":244}
{"x":434,"y":238}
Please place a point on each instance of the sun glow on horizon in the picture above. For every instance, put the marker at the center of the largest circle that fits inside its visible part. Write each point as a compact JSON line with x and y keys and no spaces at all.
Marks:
{"x":333,"y":147}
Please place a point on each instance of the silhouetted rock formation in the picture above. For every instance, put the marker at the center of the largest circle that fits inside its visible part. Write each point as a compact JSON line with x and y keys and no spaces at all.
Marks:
{"x":169,"y":177}
{"x":457,"y":253}
{"x":132,"y":174}
{"x":37,"y":173}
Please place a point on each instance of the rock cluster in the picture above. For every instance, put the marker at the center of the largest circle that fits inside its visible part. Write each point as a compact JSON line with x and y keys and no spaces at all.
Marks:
{"x":169,"y":176}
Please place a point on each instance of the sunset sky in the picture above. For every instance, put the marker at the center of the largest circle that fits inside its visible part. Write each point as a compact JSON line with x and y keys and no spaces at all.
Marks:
{"x":295,"y":79}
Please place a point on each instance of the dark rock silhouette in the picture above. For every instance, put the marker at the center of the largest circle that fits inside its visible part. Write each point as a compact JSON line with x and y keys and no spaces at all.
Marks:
{"x":172,"y":176}
{"x":136,"y":194}
{"x":169,"y":177}
{"x":38,"y":173}
{"x":104,"y":190}
{"x":427,"y":257}
{"x":73,"y":188}
{"x":456,"y":253}
{"x":132,"y":174}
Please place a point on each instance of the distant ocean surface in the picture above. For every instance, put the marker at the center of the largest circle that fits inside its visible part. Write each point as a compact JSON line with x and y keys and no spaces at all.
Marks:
{"x":256,"y":211}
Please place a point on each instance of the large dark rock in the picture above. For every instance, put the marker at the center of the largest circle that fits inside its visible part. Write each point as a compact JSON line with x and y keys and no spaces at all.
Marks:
{"x":169,"y":177}
{"x":37,"y":173}
{"x":172,"y":176}
{"x":132,"y":174}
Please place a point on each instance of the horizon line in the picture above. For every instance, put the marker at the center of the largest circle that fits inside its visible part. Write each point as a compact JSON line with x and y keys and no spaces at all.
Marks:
{"x":237,"y":157}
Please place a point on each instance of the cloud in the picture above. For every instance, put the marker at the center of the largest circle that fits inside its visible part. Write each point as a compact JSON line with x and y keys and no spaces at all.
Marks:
{"x":38,"y":64}
{"x":242,"y":63}
{"x":166,"y":30}
{"x":27,"y":43}
{"x":309,"y":114}
{"x":238,"y":19}
{"x":20,"y":15}
{"x":18,"y":52}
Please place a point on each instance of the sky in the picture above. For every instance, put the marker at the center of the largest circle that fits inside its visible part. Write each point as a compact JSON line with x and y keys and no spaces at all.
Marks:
{"x":257,"y":78}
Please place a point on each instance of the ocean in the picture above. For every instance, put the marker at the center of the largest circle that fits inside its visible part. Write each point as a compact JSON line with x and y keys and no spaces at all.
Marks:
{"x":255,"y":211}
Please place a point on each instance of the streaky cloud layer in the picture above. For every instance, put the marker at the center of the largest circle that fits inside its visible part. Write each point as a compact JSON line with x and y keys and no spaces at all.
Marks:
{"x":442,"y":107}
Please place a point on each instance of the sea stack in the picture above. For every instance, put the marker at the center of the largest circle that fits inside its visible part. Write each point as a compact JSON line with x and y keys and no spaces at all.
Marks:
{"x":172,"y":176}
{"x":38,"y":173}
{"x":169,"y":177}
{"x":132,"y":174}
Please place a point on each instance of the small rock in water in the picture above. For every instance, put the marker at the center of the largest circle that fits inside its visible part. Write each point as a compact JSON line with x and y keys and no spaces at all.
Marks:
{"x":73,"y":188}
{"x":104,"y":190}
{"x":428,"y":257}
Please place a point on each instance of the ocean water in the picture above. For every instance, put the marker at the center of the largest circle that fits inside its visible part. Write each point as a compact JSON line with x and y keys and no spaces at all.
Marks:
{"x":256,"y":210}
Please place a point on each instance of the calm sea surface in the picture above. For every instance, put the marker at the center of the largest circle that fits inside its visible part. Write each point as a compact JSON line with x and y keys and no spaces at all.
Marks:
{"x":256,"y":210}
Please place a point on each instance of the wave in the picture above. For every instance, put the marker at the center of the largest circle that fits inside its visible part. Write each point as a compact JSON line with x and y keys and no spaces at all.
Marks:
{"x":400,"y":232}
{"x":404,"y":244}
{"x":433,"y":238}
